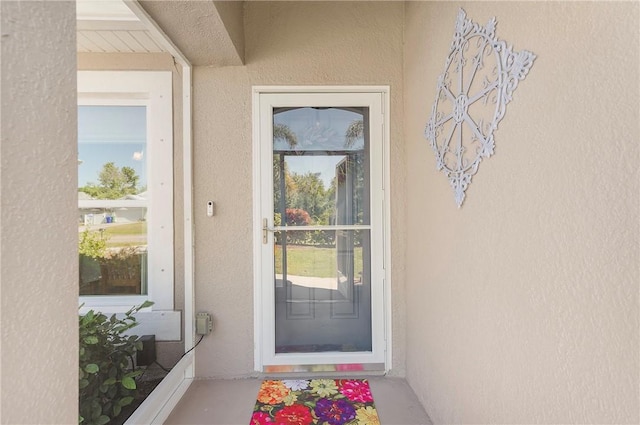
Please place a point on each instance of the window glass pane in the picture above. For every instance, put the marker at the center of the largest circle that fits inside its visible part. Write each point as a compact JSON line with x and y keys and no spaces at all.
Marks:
{"x":111,"y":151}
{"x":323,"y":292}
{"x":112,"y":200}
{"x":320,"y":166}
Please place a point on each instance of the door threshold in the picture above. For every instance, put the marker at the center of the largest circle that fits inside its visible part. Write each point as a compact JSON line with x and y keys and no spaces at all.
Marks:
{"x":324,"y":369}
{"x":317,"y":375}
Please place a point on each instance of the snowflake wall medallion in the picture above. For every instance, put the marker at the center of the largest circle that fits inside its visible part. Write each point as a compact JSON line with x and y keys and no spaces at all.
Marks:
{"x":467,"y":110}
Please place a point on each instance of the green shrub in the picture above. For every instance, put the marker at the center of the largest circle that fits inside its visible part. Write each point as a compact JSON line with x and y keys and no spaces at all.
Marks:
{"x":107,"y":375}
{"x":92,"y":244}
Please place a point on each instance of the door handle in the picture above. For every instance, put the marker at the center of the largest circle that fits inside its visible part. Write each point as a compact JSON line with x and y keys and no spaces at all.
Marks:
{"x":265,"y":230}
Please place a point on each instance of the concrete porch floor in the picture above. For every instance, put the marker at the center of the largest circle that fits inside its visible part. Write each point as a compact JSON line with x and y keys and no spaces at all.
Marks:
{"x":230,"y":402}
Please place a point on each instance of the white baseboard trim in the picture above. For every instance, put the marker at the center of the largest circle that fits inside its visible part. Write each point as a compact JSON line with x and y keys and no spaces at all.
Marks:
{"x":157,"y":407}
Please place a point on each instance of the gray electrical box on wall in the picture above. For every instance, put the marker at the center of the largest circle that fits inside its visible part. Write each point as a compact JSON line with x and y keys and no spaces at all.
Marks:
{"x":204,"y":324}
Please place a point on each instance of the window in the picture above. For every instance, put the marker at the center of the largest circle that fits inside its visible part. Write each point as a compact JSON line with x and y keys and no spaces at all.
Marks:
{"x":125,"y":188}
{"x":112,"y":199}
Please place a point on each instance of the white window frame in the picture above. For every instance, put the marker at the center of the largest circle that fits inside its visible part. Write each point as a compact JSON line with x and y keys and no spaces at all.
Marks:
{"x":153,"y":89}
{"x":380,"y":201}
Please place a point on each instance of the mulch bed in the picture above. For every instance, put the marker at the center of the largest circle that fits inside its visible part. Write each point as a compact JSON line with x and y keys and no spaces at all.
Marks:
{"x":146,"y":384}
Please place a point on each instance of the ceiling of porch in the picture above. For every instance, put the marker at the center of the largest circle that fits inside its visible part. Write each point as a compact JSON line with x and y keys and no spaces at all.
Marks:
{"x":208,"y":33}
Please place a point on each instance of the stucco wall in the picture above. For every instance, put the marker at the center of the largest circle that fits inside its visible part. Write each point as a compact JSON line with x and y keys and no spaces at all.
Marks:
{"x":39,"y":258}
{"x":287,"y":43}
{"x":522,"y":306}
{"x":168,"y":352}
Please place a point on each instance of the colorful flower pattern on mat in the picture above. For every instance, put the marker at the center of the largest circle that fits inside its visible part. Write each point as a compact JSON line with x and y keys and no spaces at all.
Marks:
{"x":272,"y":392}
{"x":324,"y":387}
{"x":260,"y":418}
{"x":296,"y":384}
{"x":356,"y":390}
{"x":367,"y":416}
{"x":296,"y":414}
{"x":315,"y":401}
{"x":334,"y":412}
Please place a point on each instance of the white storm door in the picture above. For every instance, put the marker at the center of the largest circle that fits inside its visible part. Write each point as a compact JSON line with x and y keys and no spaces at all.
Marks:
{"x":320,"y":215}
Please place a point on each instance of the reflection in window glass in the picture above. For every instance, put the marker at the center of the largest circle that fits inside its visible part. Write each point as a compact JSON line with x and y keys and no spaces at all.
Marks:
{"x":322,"y":277}
{"x":320,"y":160}
{"x":111,"y":151}
{"x":322,"y":292}
{"x":112,"y":199}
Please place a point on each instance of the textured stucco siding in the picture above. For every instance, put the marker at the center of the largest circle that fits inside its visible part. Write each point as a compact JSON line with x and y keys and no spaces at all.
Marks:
{"x":38,"y":177}
{"x":522,"y":306}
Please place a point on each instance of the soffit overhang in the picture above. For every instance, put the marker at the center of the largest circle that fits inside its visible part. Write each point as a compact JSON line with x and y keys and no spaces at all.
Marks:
{"x":207,"y":33}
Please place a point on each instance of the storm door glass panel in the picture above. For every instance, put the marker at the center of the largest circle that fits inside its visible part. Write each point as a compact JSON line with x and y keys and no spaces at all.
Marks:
{"x":112,"y":199}
{"x":321,"y":216}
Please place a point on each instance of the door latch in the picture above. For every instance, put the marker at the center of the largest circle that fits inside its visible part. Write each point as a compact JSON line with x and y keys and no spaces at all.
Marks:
{"x":265,"y":230}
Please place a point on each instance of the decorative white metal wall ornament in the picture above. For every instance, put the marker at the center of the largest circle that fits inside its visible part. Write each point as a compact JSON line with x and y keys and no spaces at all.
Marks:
{"x":468,"y":117}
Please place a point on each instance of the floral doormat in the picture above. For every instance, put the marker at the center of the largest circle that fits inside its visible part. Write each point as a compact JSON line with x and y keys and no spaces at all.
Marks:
{"x":315,"y":401}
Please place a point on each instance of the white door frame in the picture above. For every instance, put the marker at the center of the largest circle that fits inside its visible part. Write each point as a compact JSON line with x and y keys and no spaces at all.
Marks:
{"x":380,"y":203}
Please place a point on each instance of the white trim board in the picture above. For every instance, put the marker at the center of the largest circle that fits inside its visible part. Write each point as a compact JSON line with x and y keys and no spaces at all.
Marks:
{"x":157,"y":407}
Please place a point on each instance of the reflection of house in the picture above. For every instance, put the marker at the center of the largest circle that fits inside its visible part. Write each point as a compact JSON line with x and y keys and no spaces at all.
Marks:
{"x":89,"y":216}
{"x":131,"y":214}
{"x":520,"y":307}
{"x":128,"y":209}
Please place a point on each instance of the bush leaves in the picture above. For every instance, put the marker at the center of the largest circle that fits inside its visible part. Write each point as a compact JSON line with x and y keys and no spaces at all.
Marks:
{"x":105,"y":379}
{"x":91,"y":368}
{"x":129,"y":383}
